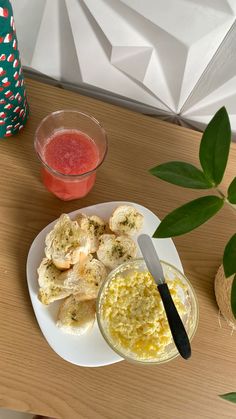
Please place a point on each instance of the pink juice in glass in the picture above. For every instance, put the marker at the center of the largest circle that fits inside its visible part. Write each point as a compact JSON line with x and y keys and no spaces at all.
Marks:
{"x":72,"y":157}
{"x":71,"y":146}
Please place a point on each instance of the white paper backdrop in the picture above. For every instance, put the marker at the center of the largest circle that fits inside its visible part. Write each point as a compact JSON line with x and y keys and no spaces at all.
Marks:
{"x":173,"y":58}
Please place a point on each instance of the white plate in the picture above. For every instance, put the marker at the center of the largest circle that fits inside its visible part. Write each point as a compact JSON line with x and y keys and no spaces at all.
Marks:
{"x":89,"y":350}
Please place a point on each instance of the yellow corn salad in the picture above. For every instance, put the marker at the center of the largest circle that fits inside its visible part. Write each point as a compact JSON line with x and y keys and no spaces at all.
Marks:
{"x":134,"y":315}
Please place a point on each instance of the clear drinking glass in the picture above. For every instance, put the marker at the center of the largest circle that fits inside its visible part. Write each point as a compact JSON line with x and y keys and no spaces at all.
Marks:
{"x":186,"y":294}
{"x":69,"y":186}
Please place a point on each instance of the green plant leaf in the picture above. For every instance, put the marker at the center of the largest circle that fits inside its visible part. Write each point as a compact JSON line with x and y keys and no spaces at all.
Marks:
{"x":214,"y":147}
{"x":232,"y":192}
{"x":182,"y":174}
{"x":189,"y":216}
{"x":229,"y":258}
{"x":231,"y":397}
{"x":233,"y":297}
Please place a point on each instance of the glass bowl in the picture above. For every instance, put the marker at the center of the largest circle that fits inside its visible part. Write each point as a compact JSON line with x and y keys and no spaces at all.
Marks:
{"x":185,"y":294}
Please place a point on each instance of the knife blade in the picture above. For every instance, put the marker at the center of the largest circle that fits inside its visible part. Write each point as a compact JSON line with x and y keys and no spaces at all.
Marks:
{"x":151,"y":259}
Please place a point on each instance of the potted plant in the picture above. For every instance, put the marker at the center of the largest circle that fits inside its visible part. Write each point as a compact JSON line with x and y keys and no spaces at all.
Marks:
{"x":213,"y":156}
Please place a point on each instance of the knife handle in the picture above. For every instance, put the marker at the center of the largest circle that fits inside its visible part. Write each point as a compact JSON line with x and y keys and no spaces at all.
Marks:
{"x":176,"y":326}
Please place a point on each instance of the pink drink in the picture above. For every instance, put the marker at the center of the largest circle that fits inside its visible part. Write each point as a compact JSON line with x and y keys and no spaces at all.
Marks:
{"x":70,"y":152}
{"x":71,"y":146}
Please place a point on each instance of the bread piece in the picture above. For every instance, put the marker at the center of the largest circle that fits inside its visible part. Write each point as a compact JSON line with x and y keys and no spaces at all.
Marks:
{"x":52,"y":293}
{"x":113,"y":250}
{"x":50,"y":279}
{"x":94,"y":227}
{"x":85,"y":278}
{"x":76,"y":317}
{"x":47,"y":273}
{"x":126,"y":220}
{"x":51,"y":287}
{"x":66,"y":243}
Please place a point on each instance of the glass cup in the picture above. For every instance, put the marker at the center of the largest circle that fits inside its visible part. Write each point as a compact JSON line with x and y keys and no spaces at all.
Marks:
{"x":186,"y":294}
{"x":69,"y":186}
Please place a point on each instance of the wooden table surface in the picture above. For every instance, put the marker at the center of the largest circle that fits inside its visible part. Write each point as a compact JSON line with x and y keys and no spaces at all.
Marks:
{"x":32,"y":377}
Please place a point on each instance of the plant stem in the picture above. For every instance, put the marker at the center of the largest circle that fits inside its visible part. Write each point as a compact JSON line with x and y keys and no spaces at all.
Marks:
{"x":222,"y":195}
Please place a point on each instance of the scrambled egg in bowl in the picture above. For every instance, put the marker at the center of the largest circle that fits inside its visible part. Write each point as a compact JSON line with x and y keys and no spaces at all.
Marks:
{"x":131,"y":315}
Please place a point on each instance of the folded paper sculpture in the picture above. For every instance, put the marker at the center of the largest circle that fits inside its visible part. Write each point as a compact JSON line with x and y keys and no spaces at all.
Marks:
{"x":176,"y":58}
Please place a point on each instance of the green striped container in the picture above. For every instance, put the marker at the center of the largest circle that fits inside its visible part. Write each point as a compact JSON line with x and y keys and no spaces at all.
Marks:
{"x":13,"y":101}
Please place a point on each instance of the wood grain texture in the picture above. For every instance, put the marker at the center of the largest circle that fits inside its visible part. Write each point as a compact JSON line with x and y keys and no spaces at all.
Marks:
{"x":33,"y":377}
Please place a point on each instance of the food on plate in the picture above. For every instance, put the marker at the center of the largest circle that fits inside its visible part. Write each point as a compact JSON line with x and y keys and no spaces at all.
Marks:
{"x":133,"y":315}
{"x":85,"y":278}
{"x":126,"y":220}
{"x":66,"y":243}
{"x":48,"y":273}
{"x":52,"y":293}
{"x":79,"y":253}
{"x":94,"y":227}
{"x":51,"y":288}
{"x":114,"y":250}
{"x":75,"y":316}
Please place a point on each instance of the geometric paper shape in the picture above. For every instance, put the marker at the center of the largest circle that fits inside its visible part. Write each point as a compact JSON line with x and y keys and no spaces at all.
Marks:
{"x":132,"y":60}
{"x":174,"y":58}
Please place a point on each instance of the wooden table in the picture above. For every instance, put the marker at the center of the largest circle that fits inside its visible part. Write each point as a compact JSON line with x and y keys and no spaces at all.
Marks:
{"x":33,"y":377}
